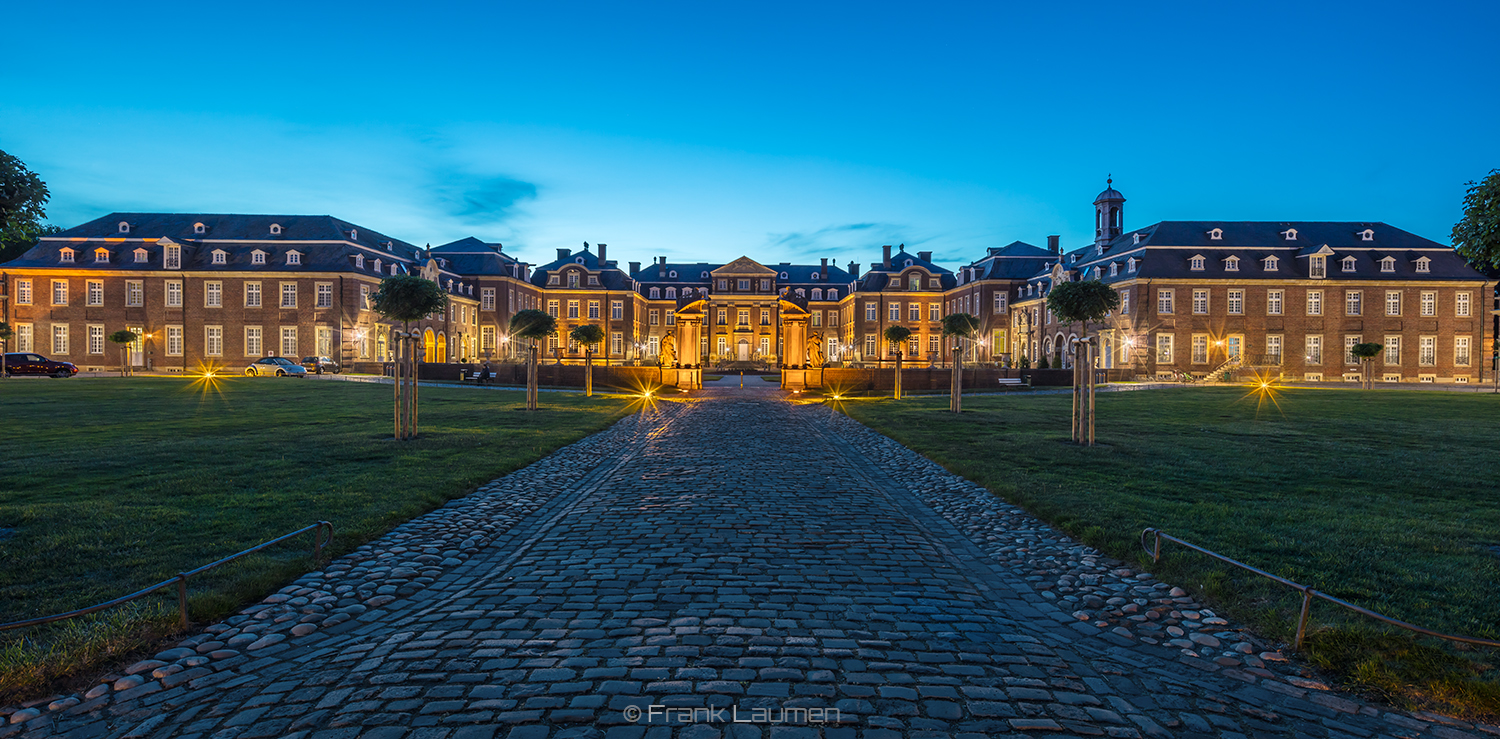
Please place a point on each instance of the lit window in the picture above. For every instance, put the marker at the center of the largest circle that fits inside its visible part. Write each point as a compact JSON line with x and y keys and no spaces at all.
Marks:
{"x":141,"y":256}
{"x":1461,"y":305}
{"x":65,"y":255}
{"x":101,"y":256}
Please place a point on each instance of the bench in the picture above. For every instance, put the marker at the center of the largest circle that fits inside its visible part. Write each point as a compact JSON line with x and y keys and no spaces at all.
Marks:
{"x":1008,"y":382}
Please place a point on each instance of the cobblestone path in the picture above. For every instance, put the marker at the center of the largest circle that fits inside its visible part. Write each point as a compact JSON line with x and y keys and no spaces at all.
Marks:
{"x":733,"y":552}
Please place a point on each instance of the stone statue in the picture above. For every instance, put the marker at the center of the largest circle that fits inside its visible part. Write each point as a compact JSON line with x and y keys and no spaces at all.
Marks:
{"x":668,"y":351}
{"x":815,"y":356}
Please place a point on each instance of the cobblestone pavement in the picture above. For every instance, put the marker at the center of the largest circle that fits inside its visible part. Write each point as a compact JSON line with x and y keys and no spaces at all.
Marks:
{"x":703,"y":570}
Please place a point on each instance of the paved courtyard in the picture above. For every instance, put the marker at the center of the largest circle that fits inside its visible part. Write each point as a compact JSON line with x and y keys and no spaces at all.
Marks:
{"x":730,"y":565}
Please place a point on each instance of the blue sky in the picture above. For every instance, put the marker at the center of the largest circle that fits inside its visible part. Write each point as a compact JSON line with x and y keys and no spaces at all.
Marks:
{"x":783,"y":131}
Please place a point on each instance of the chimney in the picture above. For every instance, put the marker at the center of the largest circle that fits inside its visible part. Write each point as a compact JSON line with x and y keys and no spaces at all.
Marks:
{"x":925,"y":256}
{"x":663,"y":262}
{"x":824,"y":269}
{"x":854,"y":270}
{"x":634,"y":268}
{"x":563,"y":254}
{"x":601,"y":252}
{"x":885,"y":258}
{"x":1052,"y":244}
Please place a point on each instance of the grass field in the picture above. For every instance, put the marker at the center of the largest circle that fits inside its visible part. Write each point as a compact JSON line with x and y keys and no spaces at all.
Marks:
{"x":1384,"y":498}
{"x":108,"y":485}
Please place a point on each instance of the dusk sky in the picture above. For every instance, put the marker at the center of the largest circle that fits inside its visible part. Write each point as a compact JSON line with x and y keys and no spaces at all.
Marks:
{"x":782,"y":131}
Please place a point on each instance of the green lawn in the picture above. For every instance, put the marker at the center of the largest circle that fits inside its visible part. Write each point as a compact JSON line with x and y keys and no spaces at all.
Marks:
{"x":1383,"y":498}
{"x":107,"y":485}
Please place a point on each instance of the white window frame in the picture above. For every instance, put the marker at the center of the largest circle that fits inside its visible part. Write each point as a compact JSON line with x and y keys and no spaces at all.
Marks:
{"x":94,"y":292}
{"x":1314,"y":302}
{"x":1275,"y":302}
{"x":254,"y":341}
{"x":1235,"y":302}
{"x":1200,"y":349}
{"x":1164,"y":349}
{"x":23,"y":292}
{"x":288,"y":339}
{"x":1392,"y":351}
{"x":1426,"y":351}
{"x":254,"y":296}
{"x":1349,"y":341}
{"x":172,"y":293}
{"x":213,"y":294}
{"x":1164,"y":300}
{"x":288,"y":294}
{"x":95,"y":339}
{"x":1313,"y":351}
{"x":173,"y":342}
{"x":1393,"y":302}
{"x":60,"y":338}
{"x":1428,"y":304}
{"x":324,"y":297}
{"x":59,"y":292}
{"x":213,"y":341}
{"x":1200,"y":302}
{"x":1354,"y":302}
{"x":487,"y":298}
{"x":1462,"y":307}
{"x":1463,"y":354}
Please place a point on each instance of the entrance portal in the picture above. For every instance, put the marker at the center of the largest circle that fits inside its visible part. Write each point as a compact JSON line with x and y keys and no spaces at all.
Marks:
{"x":744,"y":347}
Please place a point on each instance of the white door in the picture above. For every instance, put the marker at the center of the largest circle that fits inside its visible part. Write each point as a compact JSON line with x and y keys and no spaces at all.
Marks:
{"x":744,"y":347}
{"x":137,"y":347}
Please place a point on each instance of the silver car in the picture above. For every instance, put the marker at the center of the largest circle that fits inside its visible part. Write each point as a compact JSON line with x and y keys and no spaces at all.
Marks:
{"x":278,"y":366}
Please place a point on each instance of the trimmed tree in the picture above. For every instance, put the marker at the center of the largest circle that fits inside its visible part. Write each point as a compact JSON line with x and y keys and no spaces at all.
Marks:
{"x":407,"y":298}
{"x":1366,"y":353}
{"x":960,"y":326}
{"x":897,"y":335}
{"x":124,"y":339}
{"x":589,"y":336}
{"x":532,"y":325}
{"x":1082,"y":303}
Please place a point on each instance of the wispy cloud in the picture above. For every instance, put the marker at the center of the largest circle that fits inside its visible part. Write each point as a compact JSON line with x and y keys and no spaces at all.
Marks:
{"x":858,"y":236}
{"x":481,"y":200}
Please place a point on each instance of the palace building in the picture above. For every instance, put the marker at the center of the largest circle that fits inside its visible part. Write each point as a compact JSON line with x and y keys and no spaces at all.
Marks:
{"x":1197,"y":298}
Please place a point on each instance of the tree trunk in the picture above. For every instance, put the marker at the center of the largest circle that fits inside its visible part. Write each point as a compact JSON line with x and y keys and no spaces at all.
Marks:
{"x":956,"y":402}
{"x":415,"y":367}
{"x":396,"y":385}
{"x":531,"y":377}
{"x":897,"y":393}
{"x":588,"y":372}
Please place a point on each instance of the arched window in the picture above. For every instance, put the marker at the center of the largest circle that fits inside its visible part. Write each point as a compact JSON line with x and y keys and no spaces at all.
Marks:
{"x":359,"y":261}
{"x":671,"y":293}
{"x":833,"y":294}
{"x":655,"y":293}
{"x":817,"y":294}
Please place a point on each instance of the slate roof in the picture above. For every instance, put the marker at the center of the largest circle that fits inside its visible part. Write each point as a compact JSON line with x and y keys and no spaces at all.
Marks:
{"x":472,"y":257}
{"x":611,"y":277}
{"x":1017,"y":260}
{"x":880,"y":276}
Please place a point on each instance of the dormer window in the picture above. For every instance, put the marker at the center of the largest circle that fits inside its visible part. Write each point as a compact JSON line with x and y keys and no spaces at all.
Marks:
{"x":393,"y":269}
{"x":377,"y":265}
{"x":390,"y":246}
{"x":359,"y":261}
{"x":672,"y":274}
{"x":1367,"y":235}
{"x":1388,"y":264}
{"x":219,"y":256}
{"x":172,"y":257}
{"x":1289,"y":234}
{"x":1424,"y":265}
{"x":276,"y":229}
{"x":908,"y":262}
{"x":801,"y":293}
{"x":817,"y":294}
{"x":579,"y":260}
{"x":704,"y":275}
{"x":553,"y":280}
{"x":257,"y":257}
{"x":671,"y":293}
{"x":1135,"y":238}
{"x":815,"y":276}
{"x":293,"y":258}
{"x":593,"y":279}
{"x":1347,"y":263}
{"x":1130,"y":264}
{"x":101,"y":256}
{"x":65,"y":255}
{"x":656,"y":293}
{"x":1114,"y":269}
{"x":1232,"y":264}
{"x":833,"y":294}
{"x":1317,"y":266}
{"x":1216,"y":234}
{"x":572,"y":279}
{"x":353,"y":234}
{"x":141,"y":256}
{"x":1197,"y":263}
{"x":783,"y":276}
{"x":124,"y":227}
{"x":199,"y":228}
{"x":1271,"y":264}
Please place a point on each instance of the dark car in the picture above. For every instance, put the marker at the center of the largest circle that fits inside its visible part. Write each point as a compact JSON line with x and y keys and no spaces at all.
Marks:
{"x":319,"y":365}
{"x":26,"y":363}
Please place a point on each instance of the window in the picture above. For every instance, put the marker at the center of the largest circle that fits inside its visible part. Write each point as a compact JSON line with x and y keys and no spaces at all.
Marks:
{"x":914,"y":311}
{"x":1130,"y":264}
{"x":765,"y":316}
{"x":894,"y":309}
{"x":723,"y":317}
{"x":1349,"y":342}
{"x":1200,"y":349}
{"x":1352,"y":303}
{"x":744,"y":317}
{"x":1164,"y":348}
{"x":24,"y":338}
{"x":765,"y":286}
{"x":1347,"y":264}
{"x":1200,"y":302}
{"x":934,"y":311}
{"x":293,"y":258}
{"x":359,"y":261}
{"x":870,"y":348}
{"x":1461,"y":305}
{"x":174,"y":341}
{"x":1317,"y":266}
{"x":833,"y":294}
{"x":1461,"y":351}
{"x":289,"y":341}
{"x":1271,"y":264}
{"x":101,"y":256}
{"x":259,"y":257}
{"x":594,"y":279}
{"x":1393,"y":302}
{"x":617,"y":310}
{"x":1424,"y":265}
{"x":1427,"y":350}
{"x":59,"y":292}
{"x":572,"y":309}
{"x":253,"y":346}
{"x":65,"y":255}
{"x":1315,"y":350}
{"x":1236,"y":302}
{"x":817,"y":293}
{"x":172,"y":258}
{"x":869,"y":311}
{"x":1388,"y":264}
{"x":656,"y":293}
{"x":1274,"y":300}
{"x":174,"y":293}
{"x":1393,"y":350}
{"x":94,"y":294}
{"x":487,"y":298}
{"x":325,"y":341}
{"x":23,"y":292}
{"x":1163,"y":301}
{"x":1217,"y":234}
{"x":593,"y":310}
{"x":59,"y":338}
{"x":96,"y":339}
{"x":1367,"y":235}
{"x":1196,"y":264}
{"x":743,"y":286}
{"x":1232,"y":264}
{"x":721,"y":285}
{"x":616,"y":342}
{"x":655,"y":314}
{"x":1114,"y":269}
{"x":1125,"y":302}
{"x":1273,"y":348}
{"x":1314,"y":302}
{"x":1429,"y":303}
{"x":671,"y":293}
{"x":671,"y":317}
{"x":572,"y":279}
{"x":289,"y":295}
{"x":252,"y":297}
{"x":325,"y":295}
{"x":213,"y":341}
{"x":213,"y":294}
{"x":817,"y":318}
{"x":1290,"y":234}
{"x":553,"y":308}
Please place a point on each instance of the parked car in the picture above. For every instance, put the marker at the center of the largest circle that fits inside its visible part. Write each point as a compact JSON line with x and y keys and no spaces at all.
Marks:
{"x":319,"y":365}
{"x":26,"y":363}
{"x":278,"y":366}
